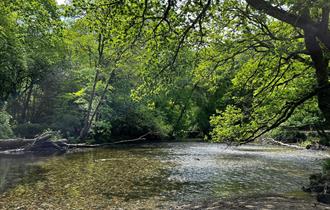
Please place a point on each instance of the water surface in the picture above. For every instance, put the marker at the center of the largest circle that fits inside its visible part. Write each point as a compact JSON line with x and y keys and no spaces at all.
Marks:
{"x":152,"y":176}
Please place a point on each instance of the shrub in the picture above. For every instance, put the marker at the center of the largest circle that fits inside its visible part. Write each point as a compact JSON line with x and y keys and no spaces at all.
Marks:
{"x":288,"y":136}
{"x":101,"y":131}
{"x":5,"y":127}
{"x":68,"y":124}
{"x":29,"y":130}
{"x":324,"y":140}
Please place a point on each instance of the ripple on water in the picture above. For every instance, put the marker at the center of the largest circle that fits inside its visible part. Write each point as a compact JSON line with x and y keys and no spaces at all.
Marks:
{"x":154,"y":175}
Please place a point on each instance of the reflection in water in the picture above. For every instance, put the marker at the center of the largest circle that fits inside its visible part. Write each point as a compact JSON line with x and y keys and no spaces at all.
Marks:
{"x":152,"y":176}
{"x":15,"y":169}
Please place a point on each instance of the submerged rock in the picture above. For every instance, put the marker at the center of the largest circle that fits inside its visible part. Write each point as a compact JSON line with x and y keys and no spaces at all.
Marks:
{"x":323,"y":198}
{"x":319,"y":184}
{"x":316,"y":146}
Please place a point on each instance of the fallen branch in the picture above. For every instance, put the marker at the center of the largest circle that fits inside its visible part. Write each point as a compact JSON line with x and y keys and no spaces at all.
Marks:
{"x":141,"y":138}
{"x":284,"y":144}
{"x":83,"y":145}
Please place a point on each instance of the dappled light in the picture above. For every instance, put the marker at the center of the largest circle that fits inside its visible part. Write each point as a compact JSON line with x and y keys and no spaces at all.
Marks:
{"x":155,"y":176}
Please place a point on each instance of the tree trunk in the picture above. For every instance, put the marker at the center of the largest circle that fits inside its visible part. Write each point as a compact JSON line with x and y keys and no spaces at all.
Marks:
{"x":321,"y":65}
{"x":90,"y":115}
{"x":26,"y":104}
{"x":86,"y":125}
{"x":324,"y":103}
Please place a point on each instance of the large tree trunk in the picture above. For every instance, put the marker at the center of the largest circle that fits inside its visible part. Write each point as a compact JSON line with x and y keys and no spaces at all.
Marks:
{"x":321,"y":65}
{"x":324,"y":104}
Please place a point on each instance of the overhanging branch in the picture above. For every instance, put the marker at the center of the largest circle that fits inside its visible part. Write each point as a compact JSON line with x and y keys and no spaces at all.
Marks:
{"x":286,"y":112}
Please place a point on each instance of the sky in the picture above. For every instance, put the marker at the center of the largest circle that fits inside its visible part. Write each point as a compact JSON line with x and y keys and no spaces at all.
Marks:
{"x":60,"y":1}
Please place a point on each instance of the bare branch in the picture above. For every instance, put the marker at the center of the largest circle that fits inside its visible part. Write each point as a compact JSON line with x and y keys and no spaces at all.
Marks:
{"x":165,"y":14}
{"x":185,"y":34}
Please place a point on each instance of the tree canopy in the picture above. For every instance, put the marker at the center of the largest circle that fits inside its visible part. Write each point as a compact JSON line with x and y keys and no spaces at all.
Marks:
{"x":229,"y":70}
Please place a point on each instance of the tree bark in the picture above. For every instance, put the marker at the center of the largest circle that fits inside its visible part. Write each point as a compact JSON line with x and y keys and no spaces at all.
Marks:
{"x":88,"y":119}
{"x":321,"y":65}
{"x":27,"y":103}
{"x":86,"y":126}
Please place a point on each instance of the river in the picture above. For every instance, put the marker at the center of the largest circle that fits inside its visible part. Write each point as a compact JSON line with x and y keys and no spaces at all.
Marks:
{"x":153,"y":176}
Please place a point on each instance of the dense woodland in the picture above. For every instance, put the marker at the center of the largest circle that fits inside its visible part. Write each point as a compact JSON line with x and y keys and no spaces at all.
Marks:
{"x":227,"y":71}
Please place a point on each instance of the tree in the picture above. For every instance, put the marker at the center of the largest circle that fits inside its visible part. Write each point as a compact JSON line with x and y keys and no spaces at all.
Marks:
{"x":310,"y":26}
{"x":258,"y":62}
{"x":298,"y":38}
{"x":106,"y":24}
{"x":313,"y":18}
{"x":12,"y":65}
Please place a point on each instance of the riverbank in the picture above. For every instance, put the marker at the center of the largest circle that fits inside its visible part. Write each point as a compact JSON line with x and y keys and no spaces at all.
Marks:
{"x":49,"y":143}
{"x":269,"y":202}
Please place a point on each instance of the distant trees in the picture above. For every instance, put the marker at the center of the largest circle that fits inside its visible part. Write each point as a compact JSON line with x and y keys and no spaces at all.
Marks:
{"x":11,"y":56}
{"x":30,"y":51}
{"x":231,"y":70}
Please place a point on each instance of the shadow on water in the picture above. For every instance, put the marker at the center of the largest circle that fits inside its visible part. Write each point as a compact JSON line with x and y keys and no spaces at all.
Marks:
{"x":19,"y":169}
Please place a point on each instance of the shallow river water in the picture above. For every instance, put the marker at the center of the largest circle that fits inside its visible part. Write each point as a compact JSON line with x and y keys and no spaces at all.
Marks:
{"x":153,"y":176}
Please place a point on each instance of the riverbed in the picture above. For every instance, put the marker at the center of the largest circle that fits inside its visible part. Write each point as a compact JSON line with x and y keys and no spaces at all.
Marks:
{"x":154,"y":176}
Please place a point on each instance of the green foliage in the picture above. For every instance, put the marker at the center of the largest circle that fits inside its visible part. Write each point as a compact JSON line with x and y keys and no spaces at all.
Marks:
{"x":5,"y":126}
{"x":265,"y":89}
{"x":306,"y":116}
{"x":101,"y":131}
{"x":221,"y":69}
{"x":12,"y":65}
{"x":288,"y":135}
{"x":67,"y":122}
{"x":228,"y":125}
{"x":29,"y":130}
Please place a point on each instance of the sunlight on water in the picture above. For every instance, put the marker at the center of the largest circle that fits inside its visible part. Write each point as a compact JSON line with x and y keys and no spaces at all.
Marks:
{"x":152,"y":176}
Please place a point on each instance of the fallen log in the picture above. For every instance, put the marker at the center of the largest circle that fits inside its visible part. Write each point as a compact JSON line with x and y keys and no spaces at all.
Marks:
{"x":44,"y":145}
{"x":8,"y":144}
{"x":40,"y":144}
